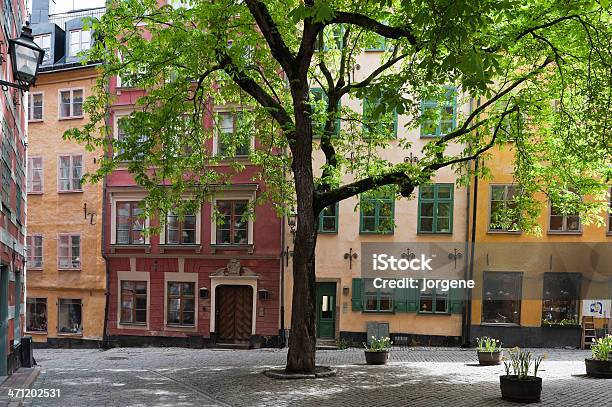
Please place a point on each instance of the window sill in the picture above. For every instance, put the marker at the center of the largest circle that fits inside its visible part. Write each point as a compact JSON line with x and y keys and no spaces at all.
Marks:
{"x":71,"y":118}
{"x":378,"y":312}
{"x":245,"y":247}
{"x":74,"y":334}
{"x":562,"y":232}
{"x":433,"y":313}
{"x":500,"y":324}
{"x":504,"y":232}
{"x":434,"y":233}
{"x":195,"y":247}
{"x":132,"y":324}
{"x":327,"y":233}
{"x":35,"y":269}
{"x":146,"y":247}
{"x":35,"y":193}
{"x":35,"y":121}
{"x":181,"y":327}
{"x":376,"y":233}
{"x":561,"y":326}
{"x":72,"y":191}
{"x":68,"y":269}
{"x":36,"y":332}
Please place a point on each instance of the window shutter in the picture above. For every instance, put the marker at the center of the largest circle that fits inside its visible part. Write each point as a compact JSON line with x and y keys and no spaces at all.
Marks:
{"x":356,"y":295}
{"x":412,"y":295}
{"x":399,"y":299}
{"x":456,"y":300}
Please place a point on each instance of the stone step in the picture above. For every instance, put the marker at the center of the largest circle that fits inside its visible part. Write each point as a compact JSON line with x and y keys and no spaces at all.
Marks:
{"x":221,"y":345}
{"x":326,"y":344}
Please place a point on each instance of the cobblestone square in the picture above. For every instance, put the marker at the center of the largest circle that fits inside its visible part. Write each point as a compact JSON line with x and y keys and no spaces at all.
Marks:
{"x":190,"y":377}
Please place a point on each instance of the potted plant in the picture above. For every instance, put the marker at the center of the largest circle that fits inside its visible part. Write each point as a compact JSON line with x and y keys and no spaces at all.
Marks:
{"x":601,"y":363}
{"x":377,"y":352}
{"x":489,"y":351}
{"x":520,"y":386}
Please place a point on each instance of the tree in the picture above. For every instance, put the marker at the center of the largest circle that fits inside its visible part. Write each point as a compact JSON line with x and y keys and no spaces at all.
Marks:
{"x":537,"y":75}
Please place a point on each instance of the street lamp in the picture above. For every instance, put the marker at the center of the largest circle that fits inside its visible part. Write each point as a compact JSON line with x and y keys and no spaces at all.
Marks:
{"x":26,"y":57}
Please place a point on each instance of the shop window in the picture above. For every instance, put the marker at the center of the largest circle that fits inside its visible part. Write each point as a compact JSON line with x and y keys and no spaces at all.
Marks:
{"x":70,"y":314}
{"x":561,"y":298}
{"x":433,"y":301}
{"x":502,"y":298}
{"x":36,"y":314}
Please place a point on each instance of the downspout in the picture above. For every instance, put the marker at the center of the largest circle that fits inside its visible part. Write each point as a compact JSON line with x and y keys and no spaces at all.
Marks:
{"x":470,"y":269}
{"x":105,"y":343}
{"x":281,"y":333}
{"x":465,"y":341}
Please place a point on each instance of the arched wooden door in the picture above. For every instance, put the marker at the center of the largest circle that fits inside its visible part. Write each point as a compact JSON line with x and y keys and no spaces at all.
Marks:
{"x":234,"y":313}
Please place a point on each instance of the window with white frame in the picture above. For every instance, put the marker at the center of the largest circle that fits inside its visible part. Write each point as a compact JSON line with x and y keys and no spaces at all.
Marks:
{"x":181,"y":303}
{"x":232,"y":221}
{"x":44,"y":42}
{"x":71,"y":104}
{"x":80,"y":40}
{"x":228,"y":126}
{"x":70,"y":316}
{"x":129,"y":223}
{"x":180,"y":230}
{"x":69,"y":252}
{"x":133,"y":302}
{"x":70,"y":173}
{"x":35,"y":175}
{"x":34,"y":244}
{"x":35,"y":106}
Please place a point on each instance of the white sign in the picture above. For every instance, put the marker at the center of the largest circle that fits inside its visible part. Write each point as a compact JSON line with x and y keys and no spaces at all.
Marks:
{"x":596,"y":308}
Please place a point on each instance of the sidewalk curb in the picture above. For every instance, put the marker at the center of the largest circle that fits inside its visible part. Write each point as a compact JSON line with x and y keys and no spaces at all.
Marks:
{"x":25,"y":385}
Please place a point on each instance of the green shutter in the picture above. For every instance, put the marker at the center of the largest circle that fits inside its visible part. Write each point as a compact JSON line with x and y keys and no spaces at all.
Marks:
{"x":399,"y":298}
{"x":412,"y":295}
{"x":356,"y":295}
{"x":456,"y":300}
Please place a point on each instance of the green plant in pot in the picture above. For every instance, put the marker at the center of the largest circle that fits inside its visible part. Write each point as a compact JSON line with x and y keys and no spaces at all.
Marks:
{"x":489,"y":351}
{"x":518,"y":385}
{"x":600,"y":365}
{"x":377,"y":352}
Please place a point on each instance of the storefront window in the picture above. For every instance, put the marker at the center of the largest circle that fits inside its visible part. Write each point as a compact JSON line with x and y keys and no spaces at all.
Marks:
{"x":502,"y":298}
{"x":561,"y":298}
{"x":70,"y":311}
{"x":36,"y":314}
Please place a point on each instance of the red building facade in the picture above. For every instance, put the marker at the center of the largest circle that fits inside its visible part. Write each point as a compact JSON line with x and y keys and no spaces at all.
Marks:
{"x":197,"y":282}
{"x":12,"y":196}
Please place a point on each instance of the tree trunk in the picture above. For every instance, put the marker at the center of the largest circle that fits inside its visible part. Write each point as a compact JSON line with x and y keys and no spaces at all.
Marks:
{"x":302,"y":339}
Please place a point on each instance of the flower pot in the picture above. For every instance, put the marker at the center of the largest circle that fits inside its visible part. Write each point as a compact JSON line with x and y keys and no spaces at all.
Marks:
{"x":527,"y":390}
{"x":490,"y":358}
{"x":599,"y":368}
{"x":376,"y":358}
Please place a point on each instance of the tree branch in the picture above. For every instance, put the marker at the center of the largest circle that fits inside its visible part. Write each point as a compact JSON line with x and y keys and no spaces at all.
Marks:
{"x":342,"y":17}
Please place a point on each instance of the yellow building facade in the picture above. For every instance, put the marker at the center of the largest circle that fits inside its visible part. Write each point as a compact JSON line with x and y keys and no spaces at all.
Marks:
{"x":67,"y":274}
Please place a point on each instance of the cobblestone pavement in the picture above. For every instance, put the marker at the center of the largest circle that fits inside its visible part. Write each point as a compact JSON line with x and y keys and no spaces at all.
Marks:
{"x":190,"y":377}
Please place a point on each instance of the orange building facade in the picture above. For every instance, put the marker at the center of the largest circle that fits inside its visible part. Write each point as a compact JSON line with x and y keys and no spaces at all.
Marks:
{"x":65,"y":298}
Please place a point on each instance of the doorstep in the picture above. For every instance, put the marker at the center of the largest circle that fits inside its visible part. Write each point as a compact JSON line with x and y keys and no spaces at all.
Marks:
{"x":23,"y":378}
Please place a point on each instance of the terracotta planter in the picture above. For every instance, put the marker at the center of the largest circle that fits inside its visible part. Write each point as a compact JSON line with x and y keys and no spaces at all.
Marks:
{"x":376,"y":358}
{"x":490,"y":358}
{"x":599,"y":368}
{"x":526,"y":390}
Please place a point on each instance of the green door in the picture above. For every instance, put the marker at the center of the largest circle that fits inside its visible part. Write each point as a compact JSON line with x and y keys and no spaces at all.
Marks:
{"x":326,"y":310}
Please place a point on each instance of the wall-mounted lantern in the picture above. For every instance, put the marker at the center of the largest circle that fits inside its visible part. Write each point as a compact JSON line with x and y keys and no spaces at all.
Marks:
{"x":350,"y":256}
{"x":263,"y":294}
{"x":203,"y":293}
{"x":26,"y":57}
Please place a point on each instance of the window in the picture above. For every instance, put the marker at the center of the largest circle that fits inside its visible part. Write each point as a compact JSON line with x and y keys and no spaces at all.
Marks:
{"x":70,"y":173}
{"x":229,"y":125}
{"x":328,"y":219}
{"x":376,"y":118}
{"x":232,"y":223}
{"x":35,"y":175}
{"x":320,"y":110}
{"x":432,"y":301}
{"x":330,"y":35}
{"x":180,"y":231}
{"x":376,"y":43}
{"x":130,"y":224}
{"x":502,"y":298}
{"x":69,"y":249}
{"x":123,"y":139}
{"x":436,"y":208}
{"x":36,"y":314}
{"x":181,"y":303}
{"x":377,"y":299}
{"x":35,"y":106}
{"x":35,"y":251}
{"x":44,"y":41}
{"x":80,"y":40}
{"x":133,"y":302}
{"x":439,"y":115}
{"x":502,"y":215}
{"x":560,"y":222}
{"x":71,"y":104}
{"x":377,"y":211}
{"x":70,"y":313}
{"x":561,"y":298}
{"x":6,"y":184}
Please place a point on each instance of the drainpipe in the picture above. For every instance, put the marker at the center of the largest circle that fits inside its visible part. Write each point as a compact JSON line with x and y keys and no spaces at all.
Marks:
{"x":469,"y":269}
{"x":105,"y":344}
{"x":282,"y":280}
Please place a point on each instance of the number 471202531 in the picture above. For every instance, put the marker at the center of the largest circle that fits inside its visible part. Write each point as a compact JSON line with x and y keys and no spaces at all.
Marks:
{"x":34,"y":393}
